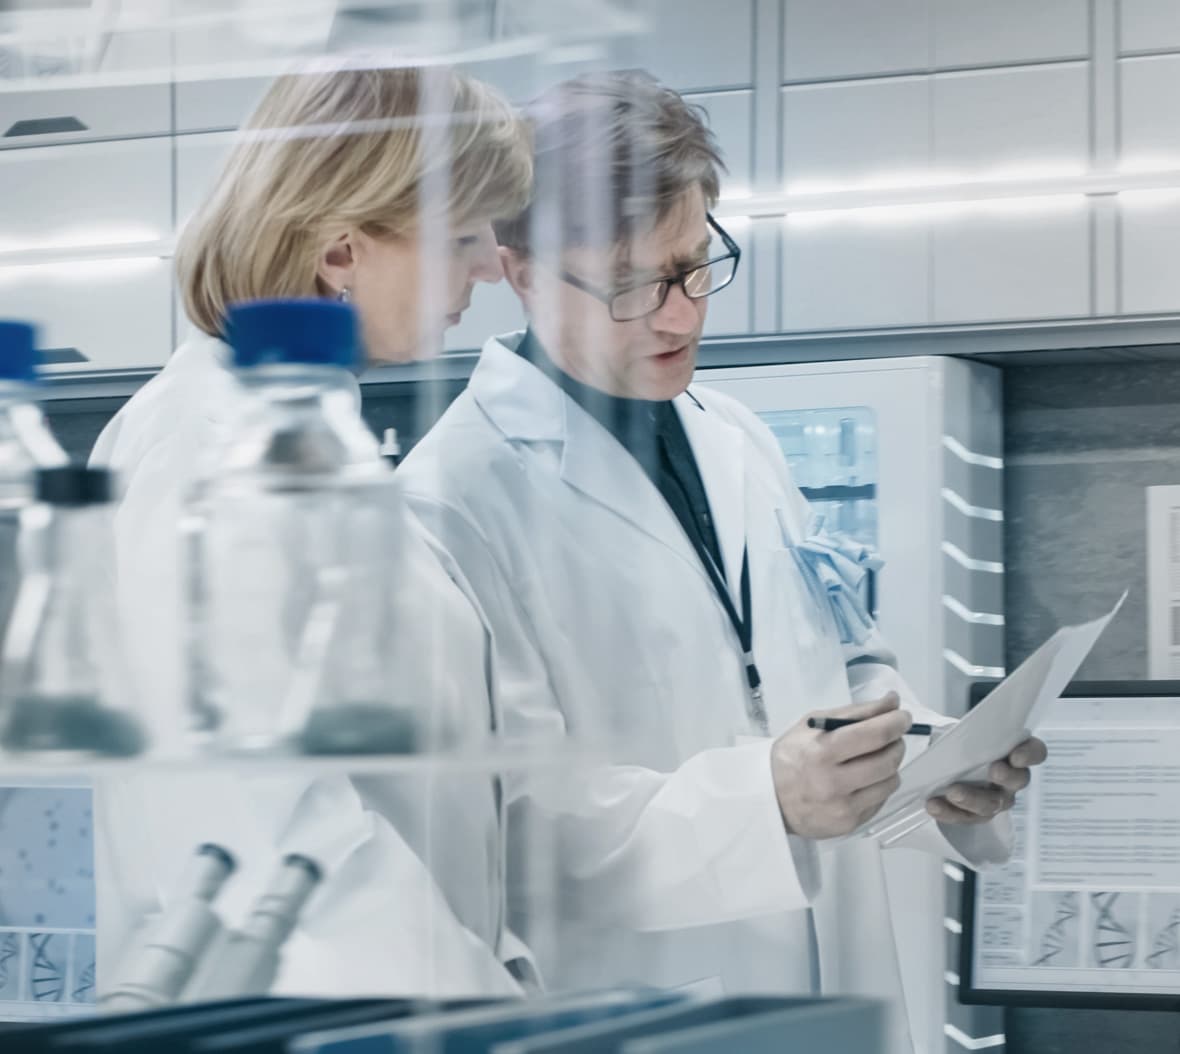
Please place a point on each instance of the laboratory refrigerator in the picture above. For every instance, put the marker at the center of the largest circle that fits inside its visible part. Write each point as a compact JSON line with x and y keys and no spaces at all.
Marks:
{"x":905,"y":455}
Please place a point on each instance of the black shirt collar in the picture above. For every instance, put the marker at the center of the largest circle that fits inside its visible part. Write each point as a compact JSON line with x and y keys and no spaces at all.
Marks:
{"x":633,"y":422}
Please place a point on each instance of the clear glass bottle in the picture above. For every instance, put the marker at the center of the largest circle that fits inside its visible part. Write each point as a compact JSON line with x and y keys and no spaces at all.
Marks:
{"x":64,"y":688}
{"x":294,"y":544}
{"x":26,"y":444}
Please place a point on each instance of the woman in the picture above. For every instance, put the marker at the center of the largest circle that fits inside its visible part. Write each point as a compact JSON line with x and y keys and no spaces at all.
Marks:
{"x":375,"y":186}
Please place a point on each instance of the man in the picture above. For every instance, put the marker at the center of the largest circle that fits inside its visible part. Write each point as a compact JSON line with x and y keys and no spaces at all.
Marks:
{"x":636,"y":549}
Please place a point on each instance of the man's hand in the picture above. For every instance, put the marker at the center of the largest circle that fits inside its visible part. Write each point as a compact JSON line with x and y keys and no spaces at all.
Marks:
{"x":829,"y":783}
{"x":968,"y":803}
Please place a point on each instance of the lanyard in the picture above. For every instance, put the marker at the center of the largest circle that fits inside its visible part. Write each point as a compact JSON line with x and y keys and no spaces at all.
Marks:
{"x":743,"y":626}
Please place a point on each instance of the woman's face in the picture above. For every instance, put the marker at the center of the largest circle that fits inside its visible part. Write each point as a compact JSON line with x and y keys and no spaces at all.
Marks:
{"x":408,"y":291}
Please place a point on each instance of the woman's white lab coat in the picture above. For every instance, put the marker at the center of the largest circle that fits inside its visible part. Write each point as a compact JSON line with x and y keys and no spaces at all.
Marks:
{"x":382,"y":922}
{"x":674,"y":864}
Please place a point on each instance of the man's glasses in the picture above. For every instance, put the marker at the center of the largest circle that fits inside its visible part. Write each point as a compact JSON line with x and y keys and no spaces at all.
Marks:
{"x":629,"y":303}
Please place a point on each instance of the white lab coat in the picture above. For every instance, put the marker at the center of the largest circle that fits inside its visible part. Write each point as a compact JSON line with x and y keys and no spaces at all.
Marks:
{"x":381,"y":923}
{"x":674,"y":865}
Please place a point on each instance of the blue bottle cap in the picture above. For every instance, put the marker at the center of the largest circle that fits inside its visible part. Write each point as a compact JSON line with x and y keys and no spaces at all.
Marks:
{"x":18,"y":354}
{"x":313,"y":332}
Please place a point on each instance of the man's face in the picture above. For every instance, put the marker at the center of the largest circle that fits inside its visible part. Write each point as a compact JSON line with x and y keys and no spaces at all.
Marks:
{"x":648,"y":358}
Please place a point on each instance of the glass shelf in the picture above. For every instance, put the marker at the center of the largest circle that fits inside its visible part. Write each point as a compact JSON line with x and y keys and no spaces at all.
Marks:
{"x":27,"y":770}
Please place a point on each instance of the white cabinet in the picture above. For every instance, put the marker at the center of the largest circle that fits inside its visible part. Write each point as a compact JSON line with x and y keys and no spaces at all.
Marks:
{"x":65,"y":197}
{"x":1149,"y":128}
{"x":1149,"y":243}
{"x":825,"y":39}
{"x":1003,"y":261}
{"x":855,"y":270}
{"x":970,"y":33}
{"x":731,"y":117}
{"x":1148,"y":25}
{"x":1030,"y":118}
{"x":118,"y":313}
{"x":39,"y":118}
{"x":856,"y":132}
{"x":696,"y":45}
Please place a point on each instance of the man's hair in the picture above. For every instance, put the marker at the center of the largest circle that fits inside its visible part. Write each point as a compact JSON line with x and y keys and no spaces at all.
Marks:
{"x":347,"y":147}
{"x":613,"y":154}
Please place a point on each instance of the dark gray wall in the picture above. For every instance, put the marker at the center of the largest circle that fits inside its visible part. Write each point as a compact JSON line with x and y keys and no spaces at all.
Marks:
{"x":1081,"y":444}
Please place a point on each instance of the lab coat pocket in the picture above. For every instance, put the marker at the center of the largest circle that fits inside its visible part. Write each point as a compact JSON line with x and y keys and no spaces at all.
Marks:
{"x":808,"y":662}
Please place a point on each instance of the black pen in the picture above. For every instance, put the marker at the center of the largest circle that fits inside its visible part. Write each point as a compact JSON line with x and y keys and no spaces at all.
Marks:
{"x":830,"y":724}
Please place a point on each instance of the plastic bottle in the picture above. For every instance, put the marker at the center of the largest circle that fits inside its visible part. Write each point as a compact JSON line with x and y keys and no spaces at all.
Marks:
{"x":64,"y":686}
{"x":294,"y":542}
{"x":26,"y":444}
{"x":162,"y":962}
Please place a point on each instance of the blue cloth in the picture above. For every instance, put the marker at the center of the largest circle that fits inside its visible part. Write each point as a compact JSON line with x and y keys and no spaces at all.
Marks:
{"x":835,"y":567}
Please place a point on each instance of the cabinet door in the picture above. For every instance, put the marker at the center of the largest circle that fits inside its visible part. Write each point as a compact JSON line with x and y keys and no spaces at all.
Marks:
{"x":856,"y":132}
{"x":1028,"y":119}
{"x":116,"y":313}
{"x":138,"y":106}
{"x":217,"y":104}
{"x":1005,"y":261}
{"x":1149,"y":243}
{"x":73,"y":197}
{"x":41,"y":118}
{"x":1149,"y":132}
{"x":888,"y":38}
{"x":697,"y":45}
{"x":969,"y":33}
{"x":864,"y":269}
{"x":731,"y":117}
{"x":199,"y":159}
{"x":1148,"y":25}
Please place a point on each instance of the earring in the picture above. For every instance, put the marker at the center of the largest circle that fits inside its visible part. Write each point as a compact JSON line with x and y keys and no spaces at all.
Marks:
{"x":345,"y":295}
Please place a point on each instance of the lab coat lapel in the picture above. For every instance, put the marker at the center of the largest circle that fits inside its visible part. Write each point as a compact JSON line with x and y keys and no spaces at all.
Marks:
{"x":719,"y":448}
{"x":595,"y":463}
{"x":526,"y":405}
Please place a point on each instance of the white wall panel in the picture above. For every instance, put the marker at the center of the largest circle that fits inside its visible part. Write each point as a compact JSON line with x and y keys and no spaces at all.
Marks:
{"x":1147,"y":25}
{"x":823,"y":39}
{"x":856,"y":131}
{"x":968,"y":32}
{"x":697,"y":44}
{"x":1149,"y":124}
{"x":731,"y":116}
{"x":494,"y":309}
{"x":1025,"y":117}
{"x":118,"y":313}
{"x":86,"y":194}
{"x":855,"y":271}
{"x":1001,"y":261}
{"x":1149,"y":238}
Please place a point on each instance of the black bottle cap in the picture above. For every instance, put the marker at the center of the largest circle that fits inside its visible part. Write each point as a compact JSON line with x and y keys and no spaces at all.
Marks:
{"x":74,"y":485}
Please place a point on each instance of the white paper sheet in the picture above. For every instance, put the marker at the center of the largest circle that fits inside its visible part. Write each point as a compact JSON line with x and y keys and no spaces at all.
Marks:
{"x":1163,"y":582}
{"x":1008,"y":716}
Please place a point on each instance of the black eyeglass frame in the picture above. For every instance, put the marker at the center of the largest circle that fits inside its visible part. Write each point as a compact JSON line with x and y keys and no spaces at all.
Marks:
{"x":733,"y":252}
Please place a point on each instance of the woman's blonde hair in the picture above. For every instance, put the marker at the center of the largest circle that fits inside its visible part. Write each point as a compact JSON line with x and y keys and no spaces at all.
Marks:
{"x":369,"y":149}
